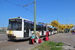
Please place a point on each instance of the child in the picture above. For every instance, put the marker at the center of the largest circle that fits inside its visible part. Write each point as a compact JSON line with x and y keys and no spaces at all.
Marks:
{"x":33,"y":36}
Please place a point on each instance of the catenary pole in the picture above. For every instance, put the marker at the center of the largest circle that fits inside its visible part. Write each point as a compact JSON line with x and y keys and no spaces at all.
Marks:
{"x":34,"y":16}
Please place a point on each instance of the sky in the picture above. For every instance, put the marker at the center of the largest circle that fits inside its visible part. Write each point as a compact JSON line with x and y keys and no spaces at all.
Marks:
{"x":46,"y":11}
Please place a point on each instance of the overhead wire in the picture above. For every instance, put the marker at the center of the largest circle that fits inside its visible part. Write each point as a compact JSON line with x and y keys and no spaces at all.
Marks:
{"x":18,"y":5}
{"x":27,"y":9}
{"x":28,"y":4}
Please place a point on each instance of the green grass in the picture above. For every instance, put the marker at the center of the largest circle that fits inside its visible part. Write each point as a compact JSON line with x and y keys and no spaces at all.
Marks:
{"x":48,"y":45}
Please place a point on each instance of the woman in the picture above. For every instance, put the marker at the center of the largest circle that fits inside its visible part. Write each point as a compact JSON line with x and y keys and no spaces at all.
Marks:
{"x":47,"y":33}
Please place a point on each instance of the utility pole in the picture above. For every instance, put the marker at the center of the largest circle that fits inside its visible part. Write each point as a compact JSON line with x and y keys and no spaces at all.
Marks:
{"x":34,"y":16}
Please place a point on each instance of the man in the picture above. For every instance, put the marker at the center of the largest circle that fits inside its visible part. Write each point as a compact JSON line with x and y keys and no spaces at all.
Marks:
{"x":37,"y":36}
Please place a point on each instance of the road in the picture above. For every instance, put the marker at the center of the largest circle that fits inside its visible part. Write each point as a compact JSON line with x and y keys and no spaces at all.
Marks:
{"x":6,"y":44}
{"x":67,"y":38}
{"x":3,"y":37}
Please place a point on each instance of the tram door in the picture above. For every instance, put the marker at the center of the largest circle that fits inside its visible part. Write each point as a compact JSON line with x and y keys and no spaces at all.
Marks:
{"x":42,"y":30}
{"x":26,"y":29}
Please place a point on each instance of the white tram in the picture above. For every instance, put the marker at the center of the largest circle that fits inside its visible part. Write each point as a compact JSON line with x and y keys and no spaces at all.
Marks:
{"x":19,"y":28}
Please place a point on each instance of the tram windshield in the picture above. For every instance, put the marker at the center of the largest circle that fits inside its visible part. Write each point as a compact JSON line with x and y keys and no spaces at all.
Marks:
{"x":14,"y":26}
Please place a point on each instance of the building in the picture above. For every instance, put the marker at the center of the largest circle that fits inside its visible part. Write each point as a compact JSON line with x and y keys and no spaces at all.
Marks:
{"x":3,"y":28}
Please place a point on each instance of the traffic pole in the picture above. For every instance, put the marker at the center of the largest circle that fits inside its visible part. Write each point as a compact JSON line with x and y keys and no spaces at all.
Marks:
{"x":34,"y":16}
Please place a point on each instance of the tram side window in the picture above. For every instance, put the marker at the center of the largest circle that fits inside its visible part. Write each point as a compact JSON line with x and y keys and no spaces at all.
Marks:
{"x":44,"y":28}
{"x":32,"y":27}
{"x":24,"y":26}
{"x":50,"y":29}
{"x":27,"y":25}
{"x":38,"y":28}
{"x":55,"y":29}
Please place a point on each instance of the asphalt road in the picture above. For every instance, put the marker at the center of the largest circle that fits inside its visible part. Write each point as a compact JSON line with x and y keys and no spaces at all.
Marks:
{"x":3,"y":37}
{"x":67,"y":38}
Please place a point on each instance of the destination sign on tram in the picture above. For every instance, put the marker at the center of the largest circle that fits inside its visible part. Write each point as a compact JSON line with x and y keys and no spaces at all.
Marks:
{"x":12,"y":20}
{"x":15,"y":20}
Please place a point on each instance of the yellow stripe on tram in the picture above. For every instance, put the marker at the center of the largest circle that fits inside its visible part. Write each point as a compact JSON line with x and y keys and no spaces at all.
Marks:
{"x":10,"y":32}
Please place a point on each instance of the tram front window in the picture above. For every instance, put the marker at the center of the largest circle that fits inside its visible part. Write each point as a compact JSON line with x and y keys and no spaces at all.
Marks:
{"x":15,"y":26}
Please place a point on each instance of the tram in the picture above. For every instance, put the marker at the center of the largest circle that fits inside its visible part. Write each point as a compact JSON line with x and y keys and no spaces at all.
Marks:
{"x":19,"y":28}
{"x":53,"y":30}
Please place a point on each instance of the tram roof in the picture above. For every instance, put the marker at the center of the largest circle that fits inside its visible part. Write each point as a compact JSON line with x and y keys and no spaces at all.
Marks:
{"x":16,"y":18}
{"x":28,"y":21}
{"x":37,"y":23}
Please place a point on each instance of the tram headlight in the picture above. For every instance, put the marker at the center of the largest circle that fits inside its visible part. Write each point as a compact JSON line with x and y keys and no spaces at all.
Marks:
{"x":7,"y":32}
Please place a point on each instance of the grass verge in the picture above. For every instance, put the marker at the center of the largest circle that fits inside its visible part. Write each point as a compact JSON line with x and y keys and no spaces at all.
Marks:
{"x":48,"y":45}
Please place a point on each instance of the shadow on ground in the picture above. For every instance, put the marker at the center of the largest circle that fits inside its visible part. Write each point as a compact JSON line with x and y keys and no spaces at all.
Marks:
{"x":12,"y":40}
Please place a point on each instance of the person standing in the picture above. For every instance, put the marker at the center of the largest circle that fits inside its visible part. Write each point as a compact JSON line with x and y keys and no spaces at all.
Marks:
{"x":47,"y":33}
{"x":37,"y":36}
{"x":33,"y":36}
